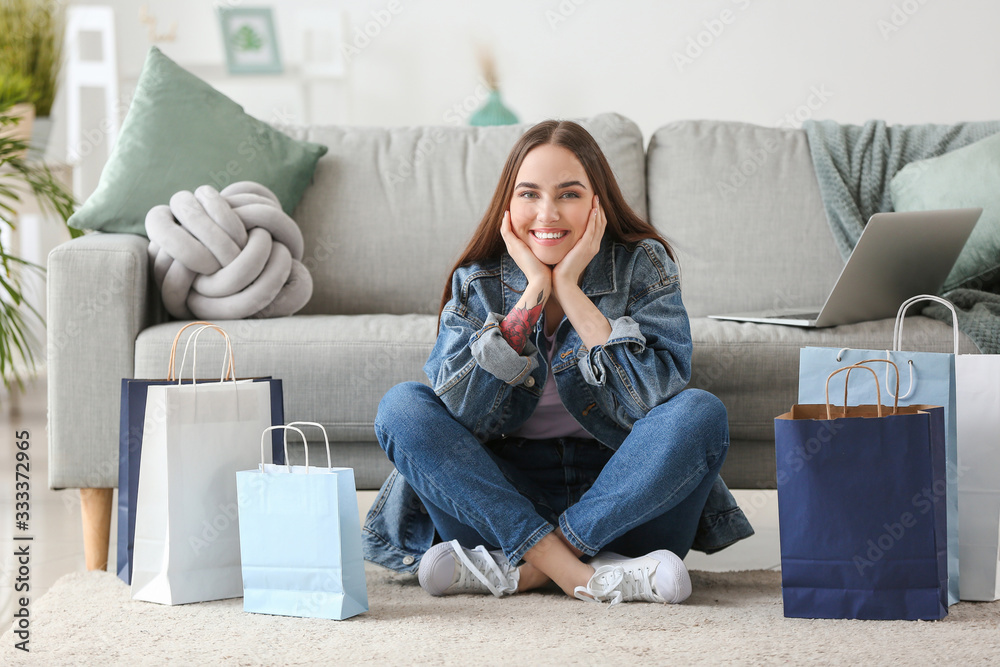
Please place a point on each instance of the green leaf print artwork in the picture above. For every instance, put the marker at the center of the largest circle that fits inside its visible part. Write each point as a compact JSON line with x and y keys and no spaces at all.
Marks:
{"x":247,"y":39}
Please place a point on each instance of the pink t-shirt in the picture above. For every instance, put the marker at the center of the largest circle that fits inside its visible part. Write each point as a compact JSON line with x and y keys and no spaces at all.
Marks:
{"x":551,"y":419}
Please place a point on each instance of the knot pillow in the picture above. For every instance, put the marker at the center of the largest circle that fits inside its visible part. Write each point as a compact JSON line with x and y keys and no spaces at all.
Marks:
{"x":227,"y":255}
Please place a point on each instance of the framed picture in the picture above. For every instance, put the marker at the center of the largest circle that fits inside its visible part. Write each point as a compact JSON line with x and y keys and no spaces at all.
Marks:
{"x":250,"y":40}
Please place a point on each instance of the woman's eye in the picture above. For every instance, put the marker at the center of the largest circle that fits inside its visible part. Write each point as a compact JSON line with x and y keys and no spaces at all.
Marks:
{"x":573,"y":195}
{"x":528,"y":195}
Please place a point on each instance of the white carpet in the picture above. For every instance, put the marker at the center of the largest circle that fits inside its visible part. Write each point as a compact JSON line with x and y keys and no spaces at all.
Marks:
{"x":733,"y":617}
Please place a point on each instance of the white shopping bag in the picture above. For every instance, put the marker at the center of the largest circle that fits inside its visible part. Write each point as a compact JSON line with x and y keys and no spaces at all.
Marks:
{"x":977,"y":378}
{"x":195,"y":438}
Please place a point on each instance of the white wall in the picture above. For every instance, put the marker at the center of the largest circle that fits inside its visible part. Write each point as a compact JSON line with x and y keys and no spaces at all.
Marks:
{"x":766,"y":62}
{"x":907,"y":61}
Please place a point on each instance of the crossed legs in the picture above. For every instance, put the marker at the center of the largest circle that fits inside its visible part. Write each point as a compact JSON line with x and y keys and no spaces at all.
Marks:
{"x":649,"y":495}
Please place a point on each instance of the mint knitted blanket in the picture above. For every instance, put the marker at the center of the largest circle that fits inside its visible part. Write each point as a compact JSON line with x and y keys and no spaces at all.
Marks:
{"x":854,"y":165}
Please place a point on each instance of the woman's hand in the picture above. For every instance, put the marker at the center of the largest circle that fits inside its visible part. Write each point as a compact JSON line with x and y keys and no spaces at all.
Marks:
{"x":567,"y":273}
{"x":519,"y":323}
{"x":534,"y":270}
{"x":590,"y":323}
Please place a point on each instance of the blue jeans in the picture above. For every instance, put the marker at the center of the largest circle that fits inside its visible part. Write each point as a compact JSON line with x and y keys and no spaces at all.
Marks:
{"x":508,"y":494}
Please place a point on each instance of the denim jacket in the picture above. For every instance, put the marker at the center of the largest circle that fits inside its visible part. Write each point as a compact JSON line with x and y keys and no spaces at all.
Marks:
{"x":492,"y":390}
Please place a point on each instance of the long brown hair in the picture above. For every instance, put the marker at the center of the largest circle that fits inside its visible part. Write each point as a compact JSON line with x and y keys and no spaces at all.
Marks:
{"x":624,"y":224}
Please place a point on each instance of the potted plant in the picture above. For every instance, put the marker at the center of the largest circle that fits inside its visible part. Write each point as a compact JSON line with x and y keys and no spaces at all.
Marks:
{"x":20,"y":177}
{"x":31,"y":43}
{"x":15,"y":93}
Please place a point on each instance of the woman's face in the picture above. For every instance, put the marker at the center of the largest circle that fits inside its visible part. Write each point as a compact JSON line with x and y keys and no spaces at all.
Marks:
{"x":552,"y":202}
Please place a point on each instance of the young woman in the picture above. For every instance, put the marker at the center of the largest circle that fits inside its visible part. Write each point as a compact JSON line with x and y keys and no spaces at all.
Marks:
{"x":556,"y":441}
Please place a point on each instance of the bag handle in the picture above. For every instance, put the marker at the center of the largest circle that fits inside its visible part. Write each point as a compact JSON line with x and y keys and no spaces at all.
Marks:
{"x":286,"y":428}
{"x":909,"y":363}
{"x":897,"y":332}
{"x":326,"y":439}
{"x":895,"y":395}
{"x":226,"y":360}
{"x":878,"y":389}
{"x":231,"y":372}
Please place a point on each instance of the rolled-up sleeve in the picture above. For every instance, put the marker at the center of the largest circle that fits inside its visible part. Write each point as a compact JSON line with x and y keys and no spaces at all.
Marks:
{"x":647,"y":359}
{"x":472,"y":368}
{"x":495,"y":355}
{"x":624,"y":331}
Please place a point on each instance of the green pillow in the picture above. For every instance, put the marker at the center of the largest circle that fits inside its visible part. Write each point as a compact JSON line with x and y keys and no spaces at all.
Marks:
{"x":966,"y":177}
{"x":181,"y":133}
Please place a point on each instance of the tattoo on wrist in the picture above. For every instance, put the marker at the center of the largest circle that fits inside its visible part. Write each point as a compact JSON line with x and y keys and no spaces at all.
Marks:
{"x":520,"y":322}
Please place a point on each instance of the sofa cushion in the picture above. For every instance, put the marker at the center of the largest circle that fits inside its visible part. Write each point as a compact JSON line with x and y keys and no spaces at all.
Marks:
{"x":335,"y":368}
{"x":181,"y":133}
{"x":966,"y":177}
{"x":754,"y":368}
{"x":391,"y":208}
{"x":742,"y":207}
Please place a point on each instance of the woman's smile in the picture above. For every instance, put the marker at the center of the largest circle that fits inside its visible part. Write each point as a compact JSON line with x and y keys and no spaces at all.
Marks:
{"x":549,"y":237}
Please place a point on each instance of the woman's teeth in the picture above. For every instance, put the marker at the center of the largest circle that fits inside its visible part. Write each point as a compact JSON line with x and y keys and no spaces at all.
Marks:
{"x":549,"y":235}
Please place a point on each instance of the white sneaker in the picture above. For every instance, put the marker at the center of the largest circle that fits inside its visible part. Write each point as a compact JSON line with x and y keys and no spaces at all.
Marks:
{"x":447,"y":569}
{"x":659,"y":576}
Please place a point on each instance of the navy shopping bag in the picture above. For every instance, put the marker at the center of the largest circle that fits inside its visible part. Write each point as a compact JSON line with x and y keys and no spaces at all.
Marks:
{"x":131,"y":420}
{"x":862,"y":522}
{"x":928,"y":379}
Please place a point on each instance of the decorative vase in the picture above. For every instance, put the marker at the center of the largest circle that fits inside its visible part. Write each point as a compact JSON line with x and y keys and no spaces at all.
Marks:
{"x":21,"y":129}
{"x":24,"y":113}
{"x":493,"y":112}
{"x":40,"y":133}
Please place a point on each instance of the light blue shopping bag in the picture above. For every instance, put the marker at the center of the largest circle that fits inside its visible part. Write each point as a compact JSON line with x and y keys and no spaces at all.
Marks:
{"x":300,"y":538}
{"x":927,"y":378}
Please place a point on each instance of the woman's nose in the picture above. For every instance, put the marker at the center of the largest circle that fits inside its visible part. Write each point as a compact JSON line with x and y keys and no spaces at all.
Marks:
{"x":547,"y":211}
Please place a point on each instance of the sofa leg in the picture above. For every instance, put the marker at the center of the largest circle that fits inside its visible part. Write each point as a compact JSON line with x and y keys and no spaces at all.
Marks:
{"x":96,"y":510}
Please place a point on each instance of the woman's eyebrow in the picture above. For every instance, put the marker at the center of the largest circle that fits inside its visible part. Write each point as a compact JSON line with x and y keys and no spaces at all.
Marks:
{"x":533,"y":186}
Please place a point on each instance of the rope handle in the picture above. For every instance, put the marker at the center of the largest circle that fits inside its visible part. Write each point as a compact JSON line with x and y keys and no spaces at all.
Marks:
{"x":230,"y":372}
{"x":888,"y":356}
{"x":878,"y":389}
{"x":226,"y":361}
{"x":286,"y":428}
{"x":326,"y":439}
{"x":897,"y":331}
{"x":895,"y":395}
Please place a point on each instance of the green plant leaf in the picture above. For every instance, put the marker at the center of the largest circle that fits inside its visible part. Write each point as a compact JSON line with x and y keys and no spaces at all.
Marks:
{"x":18,"y":178}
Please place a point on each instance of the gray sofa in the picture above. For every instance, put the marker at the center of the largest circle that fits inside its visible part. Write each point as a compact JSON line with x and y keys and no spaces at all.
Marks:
{"x":386,"y":215}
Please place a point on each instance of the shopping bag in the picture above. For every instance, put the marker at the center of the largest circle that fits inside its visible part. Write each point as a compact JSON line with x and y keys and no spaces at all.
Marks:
{"x":195,"y":438}
{"x":977,"y":380}
{"x":928,"y":378}
{"x":132,"y":415}
{"x":860,"y":535}
{"x":300,"y":539}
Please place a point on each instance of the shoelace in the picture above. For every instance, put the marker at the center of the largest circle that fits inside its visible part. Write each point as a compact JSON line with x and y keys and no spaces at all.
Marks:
{"x":613,"y":584}
{"x":471,"y":573}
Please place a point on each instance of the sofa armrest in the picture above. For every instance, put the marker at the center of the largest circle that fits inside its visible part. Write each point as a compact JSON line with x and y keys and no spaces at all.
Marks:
{"x":99,"y":299}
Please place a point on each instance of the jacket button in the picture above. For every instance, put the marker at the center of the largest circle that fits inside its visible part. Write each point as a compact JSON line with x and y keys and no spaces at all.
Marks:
{"x":408,"y":560}
{"x":530,"y":382}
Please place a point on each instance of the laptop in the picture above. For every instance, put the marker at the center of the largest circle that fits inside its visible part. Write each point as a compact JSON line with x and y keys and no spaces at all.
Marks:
{"x":899,"y":255}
